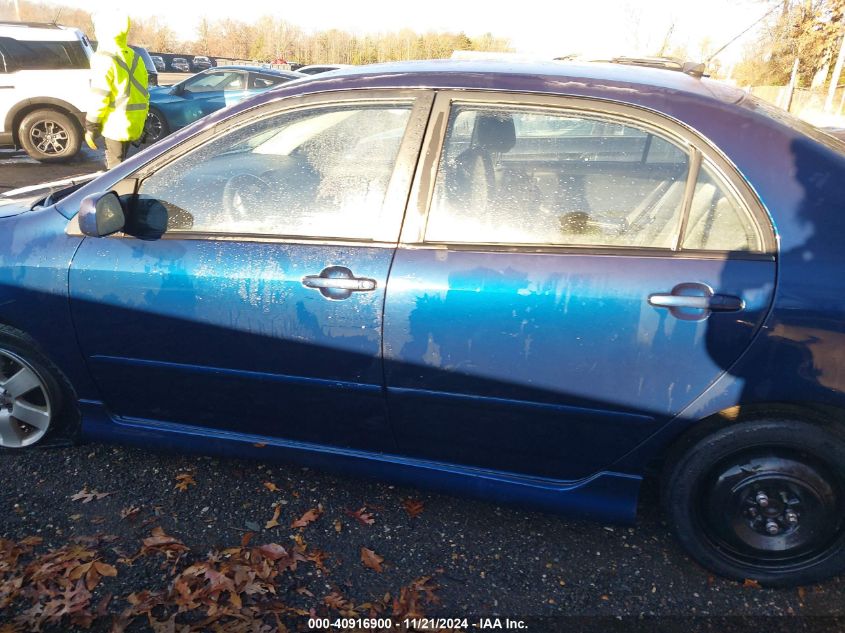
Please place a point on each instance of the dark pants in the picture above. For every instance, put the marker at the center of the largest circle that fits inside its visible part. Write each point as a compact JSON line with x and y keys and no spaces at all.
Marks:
{"x":115,"y":152}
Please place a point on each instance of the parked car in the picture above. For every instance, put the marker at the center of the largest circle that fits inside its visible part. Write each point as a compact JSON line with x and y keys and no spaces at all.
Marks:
{"x":200,"y":62}
{"x":180,"y":65}
{"x":45,"y":73}
{"x":533,"y":283}
{"x":173,"y":107}
{"x":158,"y":61}
{"x":315,"y":69}
{"x":149,"y":63}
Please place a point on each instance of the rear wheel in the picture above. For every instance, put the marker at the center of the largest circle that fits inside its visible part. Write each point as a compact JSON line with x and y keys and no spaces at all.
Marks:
{"x":35,"y":404}
{"x":50,"y":136}
{"x":762,"y":500}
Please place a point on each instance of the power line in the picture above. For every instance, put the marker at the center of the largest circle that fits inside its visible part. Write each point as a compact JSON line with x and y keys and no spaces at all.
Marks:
{"x":735,"y":38}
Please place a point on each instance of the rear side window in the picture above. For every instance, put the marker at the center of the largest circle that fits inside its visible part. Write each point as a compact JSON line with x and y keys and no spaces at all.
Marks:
{"x":532,"y":176}
{"x":36,"y":55}
{"x":261,"y":82}
{"x":717,"y":219}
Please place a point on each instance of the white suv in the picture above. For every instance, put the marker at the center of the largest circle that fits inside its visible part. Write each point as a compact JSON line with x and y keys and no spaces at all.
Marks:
{"x":45,"y":78}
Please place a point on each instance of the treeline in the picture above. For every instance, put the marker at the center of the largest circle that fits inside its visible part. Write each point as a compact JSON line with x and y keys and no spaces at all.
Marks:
{"x":807,"y":30}
{"x":270,"y":38}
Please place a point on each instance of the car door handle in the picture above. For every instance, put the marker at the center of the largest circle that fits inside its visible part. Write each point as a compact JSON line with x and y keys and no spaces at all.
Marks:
{"x":357,"y":284}
{"x":695,"y":301}
{"x":338,"y":282}
{"x":716,"y":303}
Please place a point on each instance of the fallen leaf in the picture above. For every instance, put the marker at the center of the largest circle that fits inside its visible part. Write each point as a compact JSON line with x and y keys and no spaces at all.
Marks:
{"x":338,"y":526}
{"x":246,"y":538}
{"x":802,"y":593}
{"x":275,"y":520}
{"x":271,"y":486}
{"x":362,"y":516}
{"x":86,"y":496}
{"x":371,"y":560}
{"x":259,"y":445}
{"x":184,"y":480}
{"x":336,"y":600}
{"x":751,"y":584}
{"x":303,"y":591}
{"x":129,"y":512}
{"x":309,"y":517}
{"x":413,"y":507}
{"x":273,"y":551}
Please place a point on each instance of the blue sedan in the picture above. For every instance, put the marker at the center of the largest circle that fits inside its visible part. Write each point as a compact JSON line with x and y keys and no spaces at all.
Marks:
{"x":536,"y":284}
{"x":174,"y":107}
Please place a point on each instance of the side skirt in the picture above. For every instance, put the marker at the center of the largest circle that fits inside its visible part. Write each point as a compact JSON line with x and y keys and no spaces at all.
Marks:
{"x":604,"y":496}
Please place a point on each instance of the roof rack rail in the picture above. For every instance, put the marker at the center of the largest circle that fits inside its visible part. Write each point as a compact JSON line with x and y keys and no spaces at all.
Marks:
{"x":35,"y":25}
{"x":695,"y":69}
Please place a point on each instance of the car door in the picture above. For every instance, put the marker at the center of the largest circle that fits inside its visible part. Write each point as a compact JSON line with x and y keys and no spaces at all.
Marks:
{"x":570,"y":277}
{"x":258,"y":309}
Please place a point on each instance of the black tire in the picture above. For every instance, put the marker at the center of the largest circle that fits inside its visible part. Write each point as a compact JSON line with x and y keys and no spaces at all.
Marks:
{"x":794,"y":534}
{"x":19,"y":350}
{"x":50,"y":136}
{"x":156,"y":126}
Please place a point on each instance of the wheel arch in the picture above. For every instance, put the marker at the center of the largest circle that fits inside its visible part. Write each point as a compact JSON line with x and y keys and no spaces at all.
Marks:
{"x":822,"y":415}
{"x":19,"y":111}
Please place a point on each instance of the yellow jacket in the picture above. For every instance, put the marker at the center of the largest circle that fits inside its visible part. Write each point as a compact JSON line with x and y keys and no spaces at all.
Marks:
{"x":119,"y":97}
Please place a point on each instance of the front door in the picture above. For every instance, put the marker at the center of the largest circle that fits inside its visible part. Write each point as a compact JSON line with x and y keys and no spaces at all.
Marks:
{"x":547,"y":315}
{"x":259,"y":309}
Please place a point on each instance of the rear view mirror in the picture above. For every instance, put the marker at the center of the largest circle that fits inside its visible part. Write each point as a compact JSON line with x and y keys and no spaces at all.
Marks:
{"x":101,"y":214}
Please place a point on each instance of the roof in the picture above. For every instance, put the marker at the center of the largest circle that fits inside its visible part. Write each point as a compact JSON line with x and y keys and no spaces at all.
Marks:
{"x":27,"y":31}
{"x":545,"y":75}
{"x":258,"y":69}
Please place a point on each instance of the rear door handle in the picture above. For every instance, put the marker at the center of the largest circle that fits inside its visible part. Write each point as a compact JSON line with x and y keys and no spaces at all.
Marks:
{"x":695,"y":296}
{"x":338,"y":282}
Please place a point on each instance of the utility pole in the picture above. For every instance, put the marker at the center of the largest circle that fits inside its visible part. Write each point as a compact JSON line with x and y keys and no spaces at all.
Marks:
{"x":793,"y":81}
{"x":834,"y":80}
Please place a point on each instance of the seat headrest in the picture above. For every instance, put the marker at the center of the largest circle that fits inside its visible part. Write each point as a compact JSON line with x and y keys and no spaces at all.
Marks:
{"x":495,"y":132}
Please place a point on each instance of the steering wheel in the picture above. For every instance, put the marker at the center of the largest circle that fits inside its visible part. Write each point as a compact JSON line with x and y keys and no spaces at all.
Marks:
{"x":242,"y":195}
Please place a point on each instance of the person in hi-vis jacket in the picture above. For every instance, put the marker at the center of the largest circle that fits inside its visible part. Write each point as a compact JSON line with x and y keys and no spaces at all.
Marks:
{"x":119,"y":96}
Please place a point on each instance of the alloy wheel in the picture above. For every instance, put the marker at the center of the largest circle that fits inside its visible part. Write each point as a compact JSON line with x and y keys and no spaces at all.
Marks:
{"x":25,"y":408}
{"x":154,"y":127}
{"x":49,"y":137}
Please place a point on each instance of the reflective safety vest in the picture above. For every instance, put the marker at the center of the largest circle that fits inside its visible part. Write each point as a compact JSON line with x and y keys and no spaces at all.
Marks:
{"x":120,"y":100}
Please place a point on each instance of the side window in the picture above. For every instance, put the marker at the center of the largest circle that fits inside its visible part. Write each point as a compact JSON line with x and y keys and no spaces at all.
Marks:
{"x":262,"y":82}
{"x":534,"y":176}
{"x":215,"y":82}
{"x":31,"y":55}
{"x":321,"y":172}
{"x":717,"y":220}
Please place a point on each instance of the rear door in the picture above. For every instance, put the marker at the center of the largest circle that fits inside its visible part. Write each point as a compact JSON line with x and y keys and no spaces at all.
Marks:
{"x":259,"y":309}
{"x":570,"y":277}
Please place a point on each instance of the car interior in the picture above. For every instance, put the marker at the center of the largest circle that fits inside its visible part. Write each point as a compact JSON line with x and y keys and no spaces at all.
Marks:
{"x":514,"y":177}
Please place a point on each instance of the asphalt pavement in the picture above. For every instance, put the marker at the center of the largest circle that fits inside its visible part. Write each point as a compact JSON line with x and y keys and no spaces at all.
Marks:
{"x":481,"y":560}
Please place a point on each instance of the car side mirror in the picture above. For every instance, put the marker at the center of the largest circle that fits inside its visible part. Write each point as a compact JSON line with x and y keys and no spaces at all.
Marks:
{"x":101,"y":214}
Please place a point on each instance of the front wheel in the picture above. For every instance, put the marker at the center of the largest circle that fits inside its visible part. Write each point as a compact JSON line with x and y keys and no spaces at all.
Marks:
{"x":36,"y":403}
{"x":50,"y":136}
{"x":762,"y":500}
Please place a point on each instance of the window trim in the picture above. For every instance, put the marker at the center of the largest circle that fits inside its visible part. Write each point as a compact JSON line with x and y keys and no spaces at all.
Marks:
{"x":696,"y":146}
{"x":399,"y":184}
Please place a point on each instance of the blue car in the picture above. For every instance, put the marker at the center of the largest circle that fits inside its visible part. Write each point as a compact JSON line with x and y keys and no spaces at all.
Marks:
{"x":531,"y":283}
{"x":174,"y":107}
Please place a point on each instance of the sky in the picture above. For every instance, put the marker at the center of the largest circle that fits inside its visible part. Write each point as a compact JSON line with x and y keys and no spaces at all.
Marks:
{"x":544,"y":28}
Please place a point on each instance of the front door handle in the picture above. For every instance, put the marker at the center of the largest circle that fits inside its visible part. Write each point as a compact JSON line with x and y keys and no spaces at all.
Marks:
{"x":695,"y":301}
{"x":338,"y":282}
